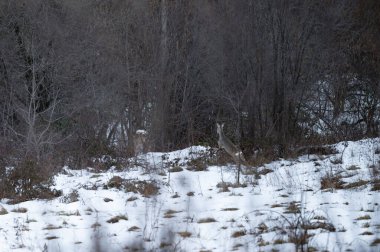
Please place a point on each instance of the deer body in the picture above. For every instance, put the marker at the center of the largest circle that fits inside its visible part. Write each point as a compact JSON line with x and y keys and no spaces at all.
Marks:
{"x":226,"y":144}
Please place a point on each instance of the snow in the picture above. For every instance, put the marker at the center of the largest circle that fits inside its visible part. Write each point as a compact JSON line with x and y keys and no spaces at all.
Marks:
{"x":141,"y":132}
{"x":257,"y":211}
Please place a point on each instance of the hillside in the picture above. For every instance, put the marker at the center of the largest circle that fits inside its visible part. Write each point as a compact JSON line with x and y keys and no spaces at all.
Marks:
{"x":182,"y":201}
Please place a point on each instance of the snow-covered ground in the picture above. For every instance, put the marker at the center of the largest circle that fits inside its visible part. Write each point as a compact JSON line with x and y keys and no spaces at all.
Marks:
{"x":192,"y":211}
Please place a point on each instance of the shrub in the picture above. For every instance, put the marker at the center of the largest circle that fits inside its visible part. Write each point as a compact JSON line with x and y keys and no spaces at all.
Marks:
{"x":115,"y":182}
{"x":28,"y":179}
{"x":198,"y":164}
{"x":331,"y":181}
{"x":145,"y":188}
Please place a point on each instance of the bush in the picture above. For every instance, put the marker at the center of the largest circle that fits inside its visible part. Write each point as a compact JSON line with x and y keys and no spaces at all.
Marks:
{"x":27,"y":180}
{"x":331,"y":181}
{"x":145,"y":188}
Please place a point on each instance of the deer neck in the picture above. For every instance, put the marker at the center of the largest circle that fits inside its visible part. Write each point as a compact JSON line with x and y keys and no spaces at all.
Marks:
{"x":222,"y":140}
{"x":221,"y":135}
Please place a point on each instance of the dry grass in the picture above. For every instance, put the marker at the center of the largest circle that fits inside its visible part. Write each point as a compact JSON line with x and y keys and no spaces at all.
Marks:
{"x":197,"y":165}
{"x":95,"y":225}
{"x":133,"y":228}
{"x":237,"y":246}
{"x":279,"y":241}
{"x":164,"y":245}
{"x":331,"y":181}
{"x":230,"y":209}
{"x":32,"y":180}
{"x":51,"y":227}
{"x":206,"y":220}
{"x":53,"y":237}
{"x":276,"y":205}
{"x":265,"y":171}
{"x":293,"y":208}
{"x":318,"y":217}
{"x":337,"y":160}
{"x":184,"y":234}
{"x":132,"y":198}
{"x":224,"y":186}
{"x":311,"y":249}
{"x":375,"y":185}
{"x":353,"y":168}
{"x":322,"y":225}
{"x":117,"y":218}
{"x":3,"y":211}
{"x":115,"y":182}
{"x":375,"y":242}
{"x":300,"y":239}
{"x":170,"y":213}
{"x":366,"y":233}
{"x":316,"y":150}
{"x":63,"y":213}
{"x":262,"y":243}
{"x":237,"y":234}
{"x":364,"y":217}
{"x":71,"y":197}
{"x":240,"y":185}
{"x":175,"y":196}
{"x":20,"y":210}
{"x":96,"y":176}
{"x":356,"y":184}
{"x":175,"y":169}
{"x":262,"y":228}
{"x":145,"y":188}
{"x":366,"y":225}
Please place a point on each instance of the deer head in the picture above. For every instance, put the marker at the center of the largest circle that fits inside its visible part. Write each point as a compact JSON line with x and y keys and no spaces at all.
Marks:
{"x":219,"y":128}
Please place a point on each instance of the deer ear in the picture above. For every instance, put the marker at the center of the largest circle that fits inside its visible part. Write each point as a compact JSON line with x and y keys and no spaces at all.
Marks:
{"x":222,"y":125}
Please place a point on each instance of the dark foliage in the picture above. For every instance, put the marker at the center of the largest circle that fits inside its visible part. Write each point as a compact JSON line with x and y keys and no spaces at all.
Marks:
{"x":78,"y":78}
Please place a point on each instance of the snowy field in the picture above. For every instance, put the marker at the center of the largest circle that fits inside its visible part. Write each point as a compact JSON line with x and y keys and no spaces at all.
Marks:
{"x":161,"y":201}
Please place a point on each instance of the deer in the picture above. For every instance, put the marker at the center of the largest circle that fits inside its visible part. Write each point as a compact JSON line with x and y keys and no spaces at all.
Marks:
{"x":234,"y":151}
{"x":226,"y":144}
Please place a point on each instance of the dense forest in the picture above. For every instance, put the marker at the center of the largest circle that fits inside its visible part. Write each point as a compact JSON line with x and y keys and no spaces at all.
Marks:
{"x":79,"y":77}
